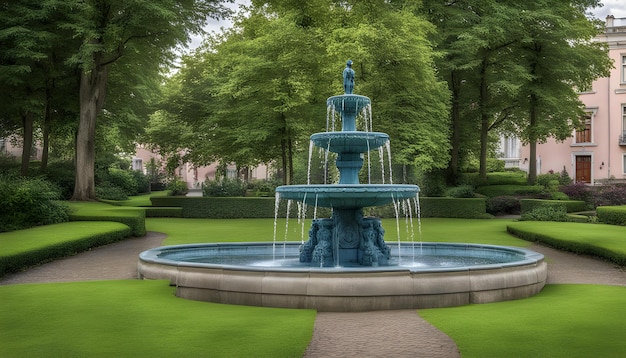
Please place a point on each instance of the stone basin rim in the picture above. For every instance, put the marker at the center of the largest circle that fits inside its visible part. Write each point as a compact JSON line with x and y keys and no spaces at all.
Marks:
{"x":530,"y":257}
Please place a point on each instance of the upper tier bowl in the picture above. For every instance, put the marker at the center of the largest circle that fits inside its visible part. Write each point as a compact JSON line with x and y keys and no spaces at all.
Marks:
{"x":349,"y":142}
{"x":348,"y":196}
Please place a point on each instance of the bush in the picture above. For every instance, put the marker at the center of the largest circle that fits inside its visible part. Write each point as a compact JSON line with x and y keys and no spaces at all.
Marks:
{"x":463,"y":191}
{"x":29,"y":202}
{"x":177,"y":187}
{"x":62,"y":174}
{"x":505,"y":204}
{"x":579,"y":191}
{"x":496,"y":178}
{"x":612,"y":194}
{"x":108,"y":191}
{"x":432,"y":183}
{"x":570,"y":206}
{"x":511,"y":190}
{"x":123,"y":179}
{"x":224,"y":188}
{"x":549,"y":181}
{"x":614,"y":215}
{"x":546,"y":213}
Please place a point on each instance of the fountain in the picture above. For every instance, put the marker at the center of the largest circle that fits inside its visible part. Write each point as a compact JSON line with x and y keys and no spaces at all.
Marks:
{"x":346,"y":265}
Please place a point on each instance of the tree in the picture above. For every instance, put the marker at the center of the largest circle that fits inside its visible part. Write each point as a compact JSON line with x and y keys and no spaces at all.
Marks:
{"x":108,"y":30}
{"x":560,"y":55}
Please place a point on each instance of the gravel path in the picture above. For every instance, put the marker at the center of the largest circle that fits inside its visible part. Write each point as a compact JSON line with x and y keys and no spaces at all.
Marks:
{"x":401,"y":333}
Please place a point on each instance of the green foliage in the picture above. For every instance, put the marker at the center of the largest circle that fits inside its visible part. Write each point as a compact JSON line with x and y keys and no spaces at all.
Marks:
{"x":600,"y":240}
{"x":19,"y":250}
{"x":432,"y":183}
{"x":224,"y":187}
{"x":505,"y":204}
{"x":614,"y":215}
{"x":510,"y":190}
{"x":569,"y":206}
{"x":545,"y":213}
{"x":95,"y":211}
{"x":155,"y":212}
{"x":28,"y":202}
{"x":108,"y":191}
{"x":177,"y":187}
{"x":474,"y":208}
{"x":463,"y":191}
{"x":549,"y":181}
{"x":496,"y":178}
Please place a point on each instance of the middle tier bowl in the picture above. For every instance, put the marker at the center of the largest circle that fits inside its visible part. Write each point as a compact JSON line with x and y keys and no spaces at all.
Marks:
{"x":347,"y":196}
{"x":349,"y":141}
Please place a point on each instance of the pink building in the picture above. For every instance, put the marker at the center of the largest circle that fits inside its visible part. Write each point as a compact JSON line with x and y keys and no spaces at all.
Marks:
{"x":195,"y":176}
{"x":598,"y":152}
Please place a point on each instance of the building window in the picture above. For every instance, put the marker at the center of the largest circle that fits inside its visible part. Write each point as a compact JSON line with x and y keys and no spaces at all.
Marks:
{"x":624,"y":163}
{"x":623,"y":68}
{"x":583,"y":134}
{"x":624,"y":120}
{"x":138,"y":164}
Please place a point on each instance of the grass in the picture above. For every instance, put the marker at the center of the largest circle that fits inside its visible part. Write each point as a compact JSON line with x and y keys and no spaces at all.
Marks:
{"x":610,"y":237}
{"x":561,"y":321}
{"x":141,"y":319}
{"x":187,"y":231}
{"x":16,"y":242}
{"x":144,"y":319}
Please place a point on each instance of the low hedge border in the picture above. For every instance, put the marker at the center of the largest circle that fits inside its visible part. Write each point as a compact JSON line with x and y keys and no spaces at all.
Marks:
{"x":614,"y":215}
{"x":131,"y":217}
{"x":71,"y":242}
{"x":157,"y":212}
{"x":570,"y":206}
{"x":582,"y":248}
{"x":239,"y":207}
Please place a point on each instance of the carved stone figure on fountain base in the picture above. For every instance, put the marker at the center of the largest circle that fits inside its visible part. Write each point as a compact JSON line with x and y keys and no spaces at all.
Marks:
{"x":370,"y":251}
{"x":323,"y":251}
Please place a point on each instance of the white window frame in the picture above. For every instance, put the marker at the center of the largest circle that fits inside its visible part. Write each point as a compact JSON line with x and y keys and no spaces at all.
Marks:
{"x":623,"y":68}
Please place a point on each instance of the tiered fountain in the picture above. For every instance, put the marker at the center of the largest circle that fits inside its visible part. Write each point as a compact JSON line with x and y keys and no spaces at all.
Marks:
{"x":346,"y":265}
{"x":347,"y":238}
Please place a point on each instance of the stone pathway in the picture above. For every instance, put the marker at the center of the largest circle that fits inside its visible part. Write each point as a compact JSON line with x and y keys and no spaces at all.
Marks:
{"x":401,"y":333}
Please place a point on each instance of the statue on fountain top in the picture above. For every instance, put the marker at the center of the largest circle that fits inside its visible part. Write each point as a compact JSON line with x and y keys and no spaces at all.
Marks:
{"x":348,"y":78}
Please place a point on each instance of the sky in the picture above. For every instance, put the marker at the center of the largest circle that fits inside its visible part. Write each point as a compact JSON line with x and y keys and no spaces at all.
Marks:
{"x":616,"y":8}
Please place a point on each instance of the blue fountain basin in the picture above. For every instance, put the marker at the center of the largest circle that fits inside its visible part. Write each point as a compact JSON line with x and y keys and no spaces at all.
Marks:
{"x":348,"y":196}
{"x":350,"y":142}
{"x":351,"y":103}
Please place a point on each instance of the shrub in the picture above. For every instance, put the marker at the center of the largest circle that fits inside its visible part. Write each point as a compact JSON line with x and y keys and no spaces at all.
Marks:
{"x":432,"y":183}
{"x":579,"y":191}
{"x":546,"y":213}
{"x":123,"y":179}
{"x":224,"y":187}
{"x":463,"y":191}
{"x":549,"y":181}
{"x":29,"y":202}
{"x":142,"y":181}
{"x":612,"y":194}
{"x":62,"y":174}
{"x":614,"y":215}
{"x":177,"y":187}
{"x":505,"y":204}
{"x":108,"y":191}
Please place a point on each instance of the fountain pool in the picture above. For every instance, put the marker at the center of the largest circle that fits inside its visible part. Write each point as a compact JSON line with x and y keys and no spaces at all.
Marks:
{"x":426,"y":275}
{"x":346,"y":265}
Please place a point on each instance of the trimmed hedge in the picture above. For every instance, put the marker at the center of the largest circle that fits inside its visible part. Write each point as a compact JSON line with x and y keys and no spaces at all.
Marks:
{"x":570,"y":206}
{"x":30,"y":251}
{"x":509,"y":190}
{"x":614,"y":215}
{"x":236,"y":207}
{"x":131,"y":217}
{"x":156,"y":212}
{"x":561,"y":242}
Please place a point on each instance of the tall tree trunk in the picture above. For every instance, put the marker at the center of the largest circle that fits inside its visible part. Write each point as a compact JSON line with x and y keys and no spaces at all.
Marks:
{"x":46,"y":133}
{"x":27,"y":125}
{"x":290,"y":149}
{"x":455,"y":138}
{"x":283,"y":153}
{"x":532,"y":143}
{"x":484,"y":122}
{"x":93,"y":85}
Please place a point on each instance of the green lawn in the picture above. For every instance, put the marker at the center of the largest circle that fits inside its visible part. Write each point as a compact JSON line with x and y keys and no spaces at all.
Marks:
{"x":141,"y":319}
{"x":561,"y":321}
{"x":144,"y":319}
